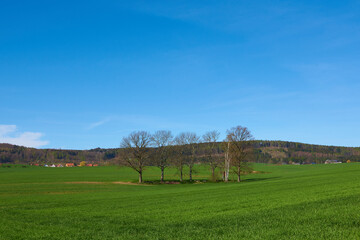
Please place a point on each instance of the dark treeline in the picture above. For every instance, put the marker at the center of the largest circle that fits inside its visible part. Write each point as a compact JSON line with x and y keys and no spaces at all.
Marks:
{"x":264,"y":152}
{"x":24,"y":155}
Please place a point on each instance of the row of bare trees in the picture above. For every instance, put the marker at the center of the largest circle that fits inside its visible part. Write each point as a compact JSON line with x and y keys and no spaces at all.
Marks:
{"x":162,"y":149}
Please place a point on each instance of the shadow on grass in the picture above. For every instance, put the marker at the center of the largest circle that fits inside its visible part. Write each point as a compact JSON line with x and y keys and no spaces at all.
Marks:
{"x":258,"y":179}
{"x":177,"y":181}
{"x":198,"y":181}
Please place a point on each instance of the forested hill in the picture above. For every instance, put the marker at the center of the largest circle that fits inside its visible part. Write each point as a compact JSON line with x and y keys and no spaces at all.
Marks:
{"x":264,"y":151}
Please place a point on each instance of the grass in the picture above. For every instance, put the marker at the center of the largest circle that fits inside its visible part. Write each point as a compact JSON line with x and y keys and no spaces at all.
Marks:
{"x":287,"y":202}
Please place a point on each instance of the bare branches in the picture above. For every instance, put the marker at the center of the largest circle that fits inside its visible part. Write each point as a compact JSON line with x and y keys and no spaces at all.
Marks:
{"x":179,"y":161}
{"x":162,"y":140}
{"x":186,"y":145}
{"x":191,"y":139}
{"x":211,"y":136}
{"x":136,"y":153}
{"x":239,"y":148}
{"x":137,"y":140}
{"x":212,"y":150}
{"x":185,"y":138}
{"x":141,"y":149}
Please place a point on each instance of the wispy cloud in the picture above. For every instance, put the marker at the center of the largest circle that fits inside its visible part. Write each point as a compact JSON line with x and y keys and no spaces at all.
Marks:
{"x":99,"y":123}
{"x":132,"y":122}
{"x":10,"y":134}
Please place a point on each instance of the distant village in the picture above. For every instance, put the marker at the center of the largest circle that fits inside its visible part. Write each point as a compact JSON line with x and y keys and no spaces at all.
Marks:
{"x":326,"y":162}
{"x":82,"y":164}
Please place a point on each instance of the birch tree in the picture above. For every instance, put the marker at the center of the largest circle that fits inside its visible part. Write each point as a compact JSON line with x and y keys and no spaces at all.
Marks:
{"x":226,"y":147}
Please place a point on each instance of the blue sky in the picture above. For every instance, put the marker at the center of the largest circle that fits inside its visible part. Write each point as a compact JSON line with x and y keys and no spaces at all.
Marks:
{"x":84,"y":74}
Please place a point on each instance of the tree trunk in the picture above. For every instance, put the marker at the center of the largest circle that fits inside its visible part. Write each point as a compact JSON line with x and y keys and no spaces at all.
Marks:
{"x":213,"y":174}
{"x":162,"y":174}
{"x":140,"y":177}
{"x":181,"y":174}
{"x":190,"y":172}
{"x":238,"y":173}
{"x":227,"y":163}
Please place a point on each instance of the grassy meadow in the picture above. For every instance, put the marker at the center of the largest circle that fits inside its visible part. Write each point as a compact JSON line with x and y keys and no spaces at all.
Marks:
{"x":285,"y":202}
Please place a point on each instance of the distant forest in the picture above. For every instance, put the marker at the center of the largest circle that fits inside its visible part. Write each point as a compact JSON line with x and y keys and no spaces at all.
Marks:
{"x":276,"y":152}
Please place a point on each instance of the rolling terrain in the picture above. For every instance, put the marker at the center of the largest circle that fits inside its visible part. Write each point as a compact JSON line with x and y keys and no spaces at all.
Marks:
{"x":283,"y":202}
{"x":264,"y":152}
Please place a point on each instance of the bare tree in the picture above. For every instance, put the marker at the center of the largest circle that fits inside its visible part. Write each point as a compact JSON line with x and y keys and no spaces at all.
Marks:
{"x":162,"y":140}
{"x":212,"y":152}
{"x":192,"y":140}
{"x":136,"y":152}
{"x":181,"y":152}
{"x":239,"y":148}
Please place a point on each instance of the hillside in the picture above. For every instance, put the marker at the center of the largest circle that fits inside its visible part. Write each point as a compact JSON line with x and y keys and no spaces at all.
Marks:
{"x":264,"y":152}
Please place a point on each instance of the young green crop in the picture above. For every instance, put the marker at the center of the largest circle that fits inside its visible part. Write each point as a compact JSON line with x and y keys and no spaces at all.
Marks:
{"x":285,"y":202}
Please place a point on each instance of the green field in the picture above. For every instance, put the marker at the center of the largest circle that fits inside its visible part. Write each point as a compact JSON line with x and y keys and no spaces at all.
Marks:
{"x":286,"y":202}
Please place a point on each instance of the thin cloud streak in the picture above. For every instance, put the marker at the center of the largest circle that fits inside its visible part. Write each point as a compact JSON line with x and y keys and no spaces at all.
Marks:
{"x":99,"y":123}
